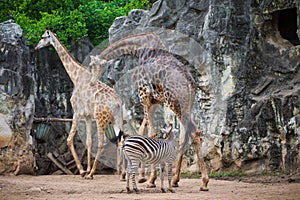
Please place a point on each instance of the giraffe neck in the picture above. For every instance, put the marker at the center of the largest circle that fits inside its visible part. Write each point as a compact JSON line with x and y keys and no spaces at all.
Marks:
{"x":133,"y":45}
{"x":73,"y":68}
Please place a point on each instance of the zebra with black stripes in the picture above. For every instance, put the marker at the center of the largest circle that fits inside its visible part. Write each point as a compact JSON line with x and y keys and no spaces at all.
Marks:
{"x":140,"y":149}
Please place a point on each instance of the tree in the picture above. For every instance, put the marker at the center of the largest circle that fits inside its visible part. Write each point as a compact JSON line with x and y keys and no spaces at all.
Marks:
{"x":69,"y":19}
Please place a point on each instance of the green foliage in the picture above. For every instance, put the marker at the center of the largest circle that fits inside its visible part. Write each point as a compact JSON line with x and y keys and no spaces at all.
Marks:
{"x":69,"y":19}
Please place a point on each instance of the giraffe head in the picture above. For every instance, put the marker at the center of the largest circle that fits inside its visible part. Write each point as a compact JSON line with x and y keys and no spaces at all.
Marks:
{"x":97,"y":67}
{"x":46,"y":40}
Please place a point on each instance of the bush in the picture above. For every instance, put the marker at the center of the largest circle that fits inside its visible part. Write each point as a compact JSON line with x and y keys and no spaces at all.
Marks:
{"x":69,"y":19}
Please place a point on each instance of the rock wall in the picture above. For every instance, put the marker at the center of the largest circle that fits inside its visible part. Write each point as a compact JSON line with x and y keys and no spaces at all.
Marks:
{"x":244,"y":56}
{"x":16,"y":101}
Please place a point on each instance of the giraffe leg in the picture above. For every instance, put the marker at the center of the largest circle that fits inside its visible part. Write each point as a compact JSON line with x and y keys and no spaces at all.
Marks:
{"x":176,"y":176}
{"x":153,"y":177}
{"x":151,"y":130}
{"x":142,"y":127}
{"x":142,"y":178}
{"x":88,"y":143}
{"x":121,"y":163}
{"x":101,"y":140}
{"x":152,"y":134}
{"x":145,"y":101}
{"x":198,"y":147}
{"x":144,"y":97}
{"x":70,"y":142}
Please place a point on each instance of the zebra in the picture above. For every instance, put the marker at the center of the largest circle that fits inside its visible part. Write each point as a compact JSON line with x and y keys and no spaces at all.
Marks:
{"x":141,"y":149}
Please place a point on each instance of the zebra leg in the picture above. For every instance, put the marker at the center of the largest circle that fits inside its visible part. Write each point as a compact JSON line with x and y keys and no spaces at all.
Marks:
{"x":133,"y":181}
{"x":128,"y":172}
{"x":127,"y":181}
{"x":131,"y":170}
{"x":162,"y":170}
{"x":198,"y":147}
{"x":170,"y":177}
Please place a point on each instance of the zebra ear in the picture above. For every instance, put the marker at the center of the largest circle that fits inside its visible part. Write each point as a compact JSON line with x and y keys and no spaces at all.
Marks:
{"x":166,"y":132}
{"x":125,"y":135}
{"x":170,"y":131}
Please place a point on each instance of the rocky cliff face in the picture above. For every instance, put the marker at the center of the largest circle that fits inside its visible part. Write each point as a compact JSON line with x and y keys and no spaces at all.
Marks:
{"x":244,"y":56}
{"x":16,"y":101}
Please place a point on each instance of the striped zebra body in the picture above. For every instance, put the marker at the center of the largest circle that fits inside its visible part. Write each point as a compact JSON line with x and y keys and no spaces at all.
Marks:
{"x":140,"y":149}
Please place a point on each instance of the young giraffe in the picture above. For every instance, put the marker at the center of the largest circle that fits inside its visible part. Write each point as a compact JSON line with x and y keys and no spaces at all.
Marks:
{"x":161,"y":78}
{"x":89,"y":99}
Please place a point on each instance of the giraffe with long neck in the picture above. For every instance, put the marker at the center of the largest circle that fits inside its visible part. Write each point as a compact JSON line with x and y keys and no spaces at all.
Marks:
{"x":89,"y":99}
{"x":161,"y":78}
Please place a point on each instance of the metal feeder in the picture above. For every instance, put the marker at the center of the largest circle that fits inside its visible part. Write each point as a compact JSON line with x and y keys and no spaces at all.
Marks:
{"x":42,"y":131}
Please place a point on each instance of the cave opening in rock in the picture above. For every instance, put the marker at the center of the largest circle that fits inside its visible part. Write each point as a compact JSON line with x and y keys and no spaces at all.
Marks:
{"x":287,"y":25}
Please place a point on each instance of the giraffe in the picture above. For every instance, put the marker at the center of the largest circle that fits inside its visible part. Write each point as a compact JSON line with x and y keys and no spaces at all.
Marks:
{"x":89,"y":99}
{"x":161,"y":78}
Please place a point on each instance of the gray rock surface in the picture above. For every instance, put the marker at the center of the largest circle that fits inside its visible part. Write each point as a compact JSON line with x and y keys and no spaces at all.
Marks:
{"x":244,"y":56}
{"x":16,"y":101}
{"x":246,"y":65}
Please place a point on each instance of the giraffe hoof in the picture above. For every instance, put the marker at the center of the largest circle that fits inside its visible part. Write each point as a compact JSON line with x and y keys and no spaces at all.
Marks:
{"x":142,"y":180}
{"x":175,"y":185}
{"x":83,"y":173}
{"x":123,"y":177}
{"x":203,"y":189}
{"x":151,"y":185}
{"x":88,"y":177}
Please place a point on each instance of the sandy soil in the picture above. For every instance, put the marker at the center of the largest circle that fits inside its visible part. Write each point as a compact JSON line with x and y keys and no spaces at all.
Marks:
{"x":63,"y":187}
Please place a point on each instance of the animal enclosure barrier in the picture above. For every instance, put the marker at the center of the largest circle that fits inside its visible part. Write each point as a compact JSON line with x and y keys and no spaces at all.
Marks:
{"x":60,"y":156}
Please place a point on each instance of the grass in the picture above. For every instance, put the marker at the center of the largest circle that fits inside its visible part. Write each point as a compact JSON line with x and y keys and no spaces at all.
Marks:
{"x":213,"y":174}
{"x":222,"y":174}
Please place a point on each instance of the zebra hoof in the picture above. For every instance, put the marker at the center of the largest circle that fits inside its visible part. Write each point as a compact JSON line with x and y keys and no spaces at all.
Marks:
{"x":151,"y":185}
{"x":163,"y":190}
{"x":142,"y":180}
{"x":136,"y":191}
{"x":171,"y":190}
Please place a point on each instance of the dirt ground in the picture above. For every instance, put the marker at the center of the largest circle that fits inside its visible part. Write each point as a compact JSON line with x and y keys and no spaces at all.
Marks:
{"x":63,"y":187}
